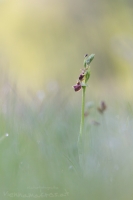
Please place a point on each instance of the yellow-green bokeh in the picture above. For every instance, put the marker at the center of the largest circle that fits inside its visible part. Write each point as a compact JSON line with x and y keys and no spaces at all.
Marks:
{"x":44,"y":41}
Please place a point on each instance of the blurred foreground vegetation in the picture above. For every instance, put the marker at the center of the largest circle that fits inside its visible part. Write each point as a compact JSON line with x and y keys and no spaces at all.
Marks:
{"x":39,"y":155}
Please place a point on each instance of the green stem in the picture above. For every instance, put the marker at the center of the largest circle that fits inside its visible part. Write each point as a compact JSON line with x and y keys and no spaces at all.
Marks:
{"x":82,"y":111}
{"x":80,"y":139}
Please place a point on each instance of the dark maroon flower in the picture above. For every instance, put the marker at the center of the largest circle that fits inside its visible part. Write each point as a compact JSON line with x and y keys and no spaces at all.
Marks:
{"x":102,"y":107}
{"x":81,"y":76}
{"x":77,"y":87}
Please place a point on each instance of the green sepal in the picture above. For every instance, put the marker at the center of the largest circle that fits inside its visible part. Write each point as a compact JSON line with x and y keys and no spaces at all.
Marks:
{"x":88,"y":60}
{"x":83,"y":84}
{"x":87,"y":76}
{"x":85,"y":63}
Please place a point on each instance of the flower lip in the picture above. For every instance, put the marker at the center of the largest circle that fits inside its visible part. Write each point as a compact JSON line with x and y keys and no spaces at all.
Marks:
{"x":77,"y":87}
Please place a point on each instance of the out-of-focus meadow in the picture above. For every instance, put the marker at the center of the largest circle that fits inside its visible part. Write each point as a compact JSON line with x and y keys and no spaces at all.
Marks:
{"x":42,"y":44}
{"x":42,"y":47}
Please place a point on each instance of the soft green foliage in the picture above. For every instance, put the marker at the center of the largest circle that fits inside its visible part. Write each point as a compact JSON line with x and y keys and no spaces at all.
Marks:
{"x":41,"y":151}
